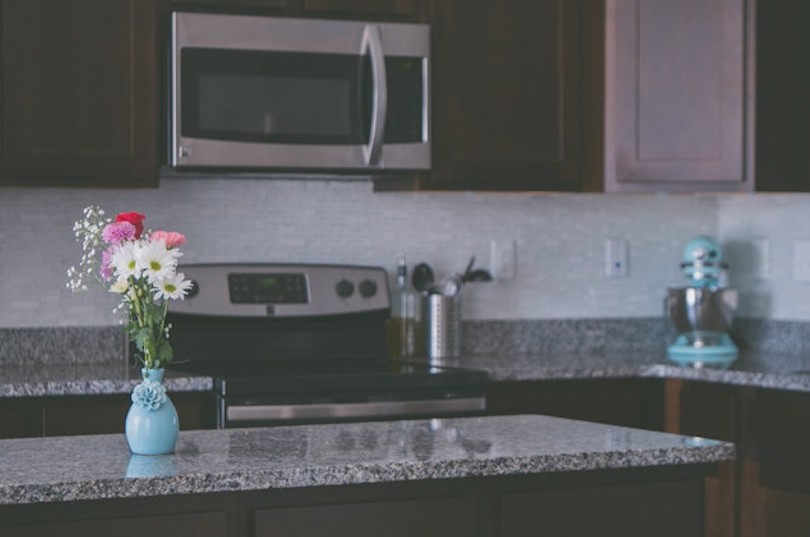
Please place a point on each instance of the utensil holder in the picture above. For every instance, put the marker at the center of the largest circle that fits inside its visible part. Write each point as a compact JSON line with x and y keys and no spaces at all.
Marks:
{"x":444,"y":326}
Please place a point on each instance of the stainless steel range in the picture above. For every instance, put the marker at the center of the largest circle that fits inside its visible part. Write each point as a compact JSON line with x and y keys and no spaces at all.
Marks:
{"x":305,"y":343}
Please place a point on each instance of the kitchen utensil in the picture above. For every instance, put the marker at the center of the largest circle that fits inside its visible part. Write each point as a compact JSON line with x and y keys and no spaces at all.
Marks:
{"x":702,"y":311}
{"x":479,"y":275}
{"x":465,"y":276}
{"x":444,"y":327}
{"x":422,"y":277}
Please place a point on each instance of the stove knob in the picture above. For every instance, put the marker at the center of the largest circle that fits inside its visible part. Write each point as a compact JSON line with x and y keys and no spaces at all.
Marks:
{"x":344,"y":288}
{"x":193,"y":290}
{"x":368,"y":288}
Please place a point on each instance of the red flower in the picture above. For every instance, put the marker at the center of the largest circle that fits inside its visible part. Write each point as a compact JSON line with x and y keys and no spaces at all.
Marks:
{"x":136,"y":219}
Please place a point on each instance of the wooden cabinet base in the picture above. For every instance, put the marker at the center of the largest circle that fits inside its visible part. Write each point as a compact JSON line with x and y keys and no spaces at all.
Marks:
{"x":635,"y":502}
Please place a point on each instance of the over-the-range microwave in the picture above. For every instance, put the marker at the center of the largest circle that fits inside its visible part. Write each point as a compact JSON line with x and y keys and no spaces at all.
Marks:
{"x":299,"y":94}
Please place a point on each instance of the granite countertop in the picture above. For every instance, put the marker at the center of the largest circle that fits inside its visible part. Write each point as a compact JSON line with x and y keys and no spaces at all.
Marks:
{"x":100,"y":467}
{"x":86,"y":379}
{"x":762,"y":369}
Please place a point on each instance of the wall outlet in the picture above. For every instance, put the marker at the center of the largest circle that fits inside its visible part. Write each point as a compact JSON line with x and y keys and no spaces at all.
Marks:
{"x":617,"y":255}
{"x":801,"y":261}
{"x":503,"y":259}
{"x":761,"y":258}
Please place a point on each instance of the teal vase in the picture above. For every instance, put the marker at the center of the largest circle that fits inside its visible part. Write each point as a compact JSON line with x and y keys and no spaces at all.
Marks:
{"x":152,"y":424}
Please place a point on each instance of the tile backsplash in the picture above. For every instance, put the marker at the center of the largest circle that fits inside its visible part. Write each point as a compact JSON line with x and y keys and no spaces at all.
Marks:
{"x":559,"y":238}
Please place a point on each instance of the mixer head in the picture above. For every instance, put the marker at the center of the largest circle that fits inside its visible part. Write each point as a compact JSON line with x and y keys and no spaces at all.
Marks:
{"x":703,"y":261}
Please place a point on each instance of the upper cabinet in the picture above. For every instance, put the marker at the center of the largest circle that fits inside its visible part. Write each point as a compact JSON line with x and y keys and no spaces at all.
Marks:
{"x":506,"y":94}
{"x":783,"y":96}
{"x":79,"y":92}
{"x":678,"y":98}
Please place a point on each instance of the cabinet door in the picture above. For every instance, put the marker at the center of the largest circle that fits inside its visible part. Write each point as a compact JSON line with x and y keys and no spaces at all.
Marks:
{"x":783,"y":96}
{"x":775,"y":488}
{"x":79,"y":92}
{"x":506,"y":94}
{"x":712,"y":411}
{"x":439,"y":517}
{"x":676,"y":95}
{"x":212,"y":524}
{"x":628,"y":403}
{"x":661,"y":509}
{"x":377,"y":8}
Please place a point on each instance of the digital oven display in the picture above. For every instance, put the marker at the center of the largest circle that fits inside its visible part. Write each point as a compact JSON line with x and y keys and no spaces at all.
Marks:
{"x":268,"y":288}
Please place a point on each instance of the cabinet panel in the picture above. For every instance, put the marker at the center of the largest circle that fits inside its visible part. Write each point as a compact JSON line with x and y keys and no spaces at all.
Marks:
{"x":629,"y":403}
{"x":712,"y":411}
{"x":676,"y":95}
{"x":665,"y":509}
{"x":191,"y":525}
{"x":366,"y":7}
{"x":80,"y":92}
{"x":439,"y":517}
{"x":506,"y":94}
{"x":783,"y":96}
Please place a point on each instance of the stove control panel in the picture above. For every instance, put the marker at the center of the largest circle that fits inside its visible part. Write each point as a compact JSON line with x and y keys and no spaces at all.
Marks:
{"x":283,"y":290}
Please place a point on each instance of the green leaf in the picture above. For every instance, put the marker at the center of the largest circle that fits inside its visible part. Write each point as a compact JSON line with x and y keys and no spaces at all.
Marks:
{"x":164,"y":352}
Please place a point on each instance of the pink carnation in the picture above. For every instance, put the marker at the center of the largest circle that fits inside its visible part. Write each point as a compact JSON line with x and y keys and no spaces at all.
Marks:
{"x":106,"y":269}
{"x":172,"y":239}
{"x":118,"y":232}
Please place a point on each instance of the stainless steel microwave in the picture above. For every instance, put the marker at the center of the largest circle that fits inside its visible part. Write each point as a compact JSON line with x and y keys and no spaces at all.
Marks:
{"x":283,"y":93}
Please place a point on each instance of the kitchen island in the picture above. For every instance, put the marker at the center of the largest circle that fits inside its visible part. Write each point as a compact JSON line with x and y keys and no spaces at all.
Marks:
{"x":465,"y":476}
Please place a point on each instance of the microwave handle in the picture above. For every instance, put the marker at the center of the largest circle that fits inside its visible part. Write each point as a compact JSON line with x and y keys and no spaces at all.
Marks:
{"x":372,"y":43}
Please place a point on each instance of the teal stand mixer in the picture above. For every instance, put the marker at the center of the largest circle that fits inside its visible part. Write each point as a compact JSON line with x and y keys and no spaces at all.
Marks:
{"x":702,"y":311}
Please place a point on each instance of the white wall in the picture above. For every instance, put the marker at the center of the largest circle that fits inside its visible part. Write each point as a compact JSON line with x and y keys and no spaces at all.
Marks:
{"x":768,"y":286}
{"x":560,"y":240}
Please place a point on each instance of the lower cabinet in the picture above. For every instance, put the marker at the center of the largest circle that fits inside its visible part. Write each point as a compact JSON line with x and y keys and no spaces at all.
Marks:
{"x":766,"y":492}
{"x":181,"y":525}
{"x":98,"y":414}
{"x":634,"y":502}
{"x":626,"y":402}
{"x":439,"y":517}
{"x":663,"y":510}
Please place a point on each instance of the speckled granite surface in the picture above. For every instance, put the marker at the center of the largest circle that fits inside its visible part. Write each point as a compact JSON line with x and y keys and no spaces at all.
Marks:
{"x":760,"y":369}
{"x":86,"y":379}
{"x":756,"y":369}
{"x":96,"y":467}
{"x":68,"y":345}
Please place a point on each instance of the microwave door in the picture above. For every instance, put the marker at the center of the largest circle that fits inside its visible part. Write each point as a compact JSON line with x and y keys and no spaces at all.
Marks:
{"x":247,"y":96}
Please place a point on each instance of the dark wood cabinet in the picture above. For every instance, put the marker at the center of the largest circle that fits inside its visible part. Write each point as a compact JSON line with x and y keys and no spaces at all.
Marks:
{"x":99,"y":414}
{"x":766,"y":491}
{"x":775,"y":479}
{"x":385,"y":10}
{"x":439,"y":517}
{"x":626,"y":402}
{"x":178,"y":525}
{"x":712,"y":411}
{"x":661,"y":509}
{"x":783,"y":96}
{"x":79,"y":92}
{"x":506,"y":94}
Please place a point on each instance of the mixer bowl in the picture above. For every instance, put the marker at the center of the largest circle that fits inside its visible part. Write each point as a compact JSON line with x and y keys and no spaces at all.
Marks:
{"x":703,"y":314}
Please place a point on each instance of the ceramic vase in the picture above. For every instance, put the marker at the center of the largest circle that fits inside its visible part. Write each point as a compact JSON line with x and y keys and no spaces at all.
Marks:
{"x":152,"y":424}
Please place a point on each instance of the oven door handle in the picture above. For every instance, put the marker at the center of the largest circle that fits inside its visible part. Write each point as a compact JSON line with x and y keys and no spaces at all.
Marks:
{"x":372,"y":43}
{"x":374,"y":409}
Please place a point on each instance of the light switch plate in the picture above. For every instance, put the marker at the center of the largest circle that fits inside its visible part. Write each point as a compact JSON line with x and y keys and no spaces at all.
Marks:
{"x":617,"y":264}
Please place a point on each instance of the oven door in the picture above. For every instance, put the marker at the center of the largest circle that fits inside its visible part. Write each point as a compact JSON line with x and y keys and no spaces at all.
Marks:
{"x":248,"y":413}
{"x":261,"y":92}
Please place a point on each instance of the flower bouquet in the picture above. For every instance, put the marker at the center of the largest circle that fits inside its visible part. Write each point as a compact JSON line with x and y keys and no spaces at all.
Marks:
{"x":141,"y":266}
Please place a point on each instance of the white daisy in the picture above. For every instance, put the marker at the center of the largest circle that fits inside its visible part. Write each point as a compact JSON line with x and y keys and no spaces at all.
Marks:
{"x":120,"y":287}
{"x":173,"y":287}
{"x":157,"y":261}
{"x":124,"y":261}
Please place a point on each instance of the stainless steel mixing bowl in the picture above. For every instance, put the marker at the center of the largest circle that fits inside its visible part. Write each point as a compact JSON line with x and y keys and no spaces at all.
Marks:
{"x":702,"y":314}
